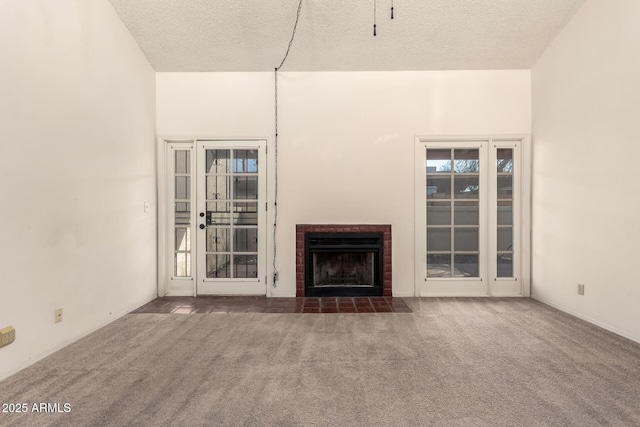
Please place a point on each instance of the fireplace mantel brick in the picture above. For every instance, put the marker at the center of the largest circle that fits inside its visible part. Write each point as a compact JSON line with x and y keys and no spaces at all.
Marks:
{"x":301,"y":229}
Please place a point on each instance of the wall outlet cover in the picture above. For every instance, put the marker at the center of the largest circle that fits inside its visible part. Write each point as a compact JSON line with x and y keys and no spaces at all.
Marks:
{"x":57,"y":315}
{"x":7,"y":336}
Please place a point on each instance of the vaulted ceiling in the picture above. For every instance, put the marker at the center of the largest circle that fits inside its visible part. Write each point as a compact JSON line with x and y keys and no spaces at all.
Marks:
{"x":337,"y":35}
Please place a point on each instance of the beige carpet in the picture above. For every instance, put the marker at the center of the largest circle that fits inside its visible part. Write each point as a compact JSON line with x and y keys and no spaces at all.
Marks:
{"x":452,"y":362}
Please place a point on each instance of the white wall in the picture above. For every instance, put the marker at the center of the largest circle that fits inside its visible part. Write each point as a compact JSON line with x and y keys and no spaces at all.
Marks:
{"x":586,"y":130}
{"x":77,"y":162}
{"x":346,"y":139}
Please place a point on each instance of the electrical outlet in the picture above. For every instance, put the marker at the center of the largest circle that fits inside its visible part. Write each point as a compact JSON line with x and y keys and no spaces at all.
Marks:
{"x":580,"y":289}
{"x":7,"y":336}
{"x":57,"y":315}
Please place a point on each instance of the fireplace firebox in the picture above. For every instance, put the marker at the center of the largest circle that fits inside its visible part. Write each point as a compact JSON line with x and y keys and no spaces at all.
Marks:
{"x":344,"y":264}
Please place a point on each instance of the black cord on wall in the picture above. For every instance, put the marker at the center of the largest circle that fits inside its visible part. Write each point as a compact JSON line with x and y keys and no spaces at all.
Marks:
{"x":275,"y":199}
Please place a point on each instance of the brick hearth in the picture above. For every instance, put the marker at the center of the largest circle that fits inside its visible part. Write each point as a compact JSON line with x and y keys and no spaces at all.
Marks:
{"x":301,"y":229}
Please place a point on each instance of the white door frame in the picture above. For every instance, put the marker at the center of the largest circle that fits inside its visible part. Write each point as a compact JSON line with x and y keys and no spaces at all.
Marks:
{"x":499,"y":287}
{"x":167,"y":286}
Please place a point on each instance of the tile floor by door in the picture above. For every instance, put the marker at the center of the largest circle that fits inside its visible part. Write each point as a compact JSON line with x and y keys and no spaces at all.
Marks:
{"x":261,"y":304}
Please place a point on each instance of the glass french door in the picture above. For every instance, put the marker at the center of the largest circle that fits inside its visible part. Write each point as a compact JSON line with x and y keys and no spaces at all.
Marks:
{"x":468,"y":218}
{"x":217,"y":217}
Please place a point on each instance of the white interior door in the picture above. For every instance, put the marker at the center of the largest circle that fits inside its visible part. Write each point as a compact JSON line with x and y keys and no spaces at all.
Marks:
{"x":468,"y":217}
{"x":231,"y":217}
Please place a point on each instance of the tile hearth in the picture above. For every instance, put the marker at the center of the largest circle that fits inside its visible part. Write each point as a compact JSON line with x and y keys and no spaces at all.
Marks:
{"x":257,"y":304}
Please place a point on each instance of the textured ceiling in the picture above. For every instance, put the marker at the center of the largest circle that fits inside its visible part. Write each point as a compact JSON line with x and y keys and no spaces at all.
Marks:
{"x":337,"y":35}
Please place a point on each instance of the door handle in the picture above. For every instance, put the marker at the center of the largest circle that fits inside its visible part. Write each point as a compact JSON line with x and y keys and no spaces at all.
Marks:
{"x":202,"y":226}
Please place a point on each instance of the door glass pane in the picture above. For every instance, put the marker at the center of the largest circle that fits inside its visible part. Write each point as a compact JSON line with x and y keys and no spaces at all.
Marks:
{"x":218,"y":240}
{"x":505,"y":238}
{"x":466,"y":161}
{"x":466,"y":213}
{"x":246,"y":187}
{"x":231,"y":191}
{"x":505,"y":186}
{"x":245,"y":266}
{"x":438,"y":213}
{"x":504,"y":161}
{"x":465,"y":239}
{"x":245,"y":240}
{"x":218,"y":161}
{"x":439,"y":187}
{"x":505,"y":265}
{"x":439,"y":161}
{"x":439,"y":265}
{"x":438,"y":239}
{"x":218,"y":213}
{"x":245,"y":161}
{"x":505,"y":212}
{"x":218,"y":187}
{"x":466,"y":187}
{"x":218,"y":266}
{"x":245,"y":213}
{"x":465,"y":265}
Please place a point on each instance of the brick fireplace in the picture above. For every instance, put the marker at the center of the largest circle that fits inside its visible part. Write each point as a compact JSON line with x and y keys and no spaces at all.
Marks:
{"x":347,"y":230}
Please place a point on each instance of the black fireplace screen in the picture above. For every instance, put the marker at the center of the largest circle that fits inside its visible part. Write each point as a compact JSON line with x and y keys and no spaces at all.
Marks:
{"x":343,"y":264}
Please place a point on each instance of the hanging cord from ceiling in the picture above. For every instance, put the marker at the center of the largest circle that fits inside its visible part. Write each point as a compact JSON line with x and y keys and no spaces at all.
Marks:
{"x":374,"y":17}
{"x":391,"y":9}
{"x":275,"y":146}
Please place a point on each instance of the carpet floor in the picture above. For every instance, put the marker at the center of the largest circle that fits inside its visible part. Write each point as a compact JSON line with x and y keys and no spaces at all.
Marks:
{"x":451,"y":362}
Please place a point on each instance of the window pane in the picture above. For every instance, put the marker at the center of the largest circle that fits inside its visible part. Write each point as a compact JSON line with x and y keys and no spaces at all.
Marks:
{"x":505,"y":265}
{"x":245,"y":161}
{"x":466,"y":213}
{"x":505,"y":186}
{"x":466,"y":187}
{"x":218,"y":213}
{"x":439,"y":265}
{"x":439,"y":187}
{"x":465,"y":239}
{"x":439,"y":161}
{"x":183,"y":188}
{"x":466,"y":161}
{"x":438,"y":239}
{"x":505,"y":238}
{"x":466,"y":266}
{"x":182,"y":161}
{"x":218,"y":240}
{"x":183,"y":239}
{"x":246,"y":187}
{"x":245,"y":240}
{"x":182,"y":265}
{"x":218,"y":161}
{"x":218,"y":266}
{"x":245,"y":266}
{"x":182,"y":213}
{"x":218,"y":187}
{"x":438,"y":213}
{"x":505,"y":213}
{"x":505,"y":160}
